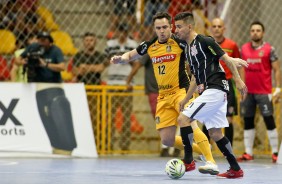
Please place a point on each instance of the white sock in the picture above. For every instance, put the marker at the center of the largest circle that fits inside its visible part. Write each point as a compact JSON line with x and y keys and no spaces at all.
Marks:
{"x":249,"y":137}
{"x":163,"y":146}
{"x":273,"y":140}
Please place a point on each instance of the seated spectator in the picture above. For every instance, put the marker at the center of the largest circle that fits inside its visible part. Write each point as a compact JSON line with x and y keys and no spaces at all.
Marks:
{"x":88,"y":64}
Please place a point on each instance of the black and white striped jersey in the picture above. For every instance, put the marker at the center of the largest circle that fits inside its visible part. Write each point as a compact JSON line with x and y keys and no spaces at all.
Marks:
{"x":203,"y":56}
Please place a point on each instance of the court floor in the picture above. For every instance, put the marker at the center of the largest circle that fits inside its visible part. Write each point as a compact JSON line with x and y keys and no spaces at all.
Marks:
{"x":123,"y":170}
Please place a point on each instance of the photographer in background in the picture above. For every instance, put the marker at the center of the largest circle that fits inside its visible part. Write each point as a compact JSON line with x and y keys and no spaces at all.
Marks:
{"x":43,"y":61}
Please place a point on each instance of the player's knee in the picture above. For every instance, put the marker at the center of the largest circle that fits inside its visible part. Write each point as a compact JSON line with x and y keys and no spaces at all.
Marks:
{"x":183,"y":120}
{"x":215,"y":134}
{"x":168,"y":142}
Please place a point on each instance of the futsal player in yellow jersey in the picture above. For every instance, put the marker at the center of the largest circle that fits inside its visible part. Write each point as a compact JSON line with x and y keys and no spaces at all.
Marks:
{"x":169,"y":62}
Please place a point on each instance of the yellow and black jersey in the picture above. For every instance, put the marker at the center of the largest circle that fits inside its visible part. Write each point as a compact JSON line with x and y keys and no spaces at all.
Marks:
{"x":169,"y":63}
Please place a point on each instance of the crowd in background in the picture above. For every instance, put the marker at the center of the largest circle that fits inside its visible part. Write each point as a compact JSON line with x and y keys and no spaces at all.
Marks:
{"x":87,"y":66}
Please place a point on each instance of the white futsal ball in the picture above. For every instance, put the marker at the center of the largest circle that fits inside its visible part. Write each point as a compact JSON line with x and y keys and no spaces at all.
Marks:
{"x":175,"y":168}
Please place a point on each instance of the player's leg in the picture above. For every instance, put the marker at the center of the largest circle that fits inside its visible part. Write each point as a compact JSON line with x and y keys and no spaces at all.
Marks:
{"x":225,"y":147}
{"x":231,"y":111}
{"x":166,"y":125}
{"x":199,"y":137}
{"x":187,"y":136}
{"x":248,"y":108}
{"x":203,"y":142}
{"x":266,"y":108}
{"x":215,"y":110}
{"x":153,"y":98}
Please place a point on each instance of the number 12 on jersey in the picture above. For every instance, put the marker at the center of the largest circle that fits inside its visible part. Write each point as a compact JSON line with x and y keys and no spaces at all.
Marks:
{"x":161,"y":69}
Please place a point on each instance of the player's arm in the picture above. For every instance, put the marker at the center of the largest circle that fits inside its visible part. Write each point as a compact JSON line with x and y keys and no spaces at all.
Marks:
{"x":131,"y":55}
{"x":277,"y":76}
{"x":231,"y":64}
{"x":126,"y":57}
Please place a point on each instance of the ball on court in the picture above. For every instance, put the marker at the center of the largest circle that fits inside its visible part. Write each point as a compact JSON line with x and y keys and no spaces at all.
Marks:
{"x":175,"y":168}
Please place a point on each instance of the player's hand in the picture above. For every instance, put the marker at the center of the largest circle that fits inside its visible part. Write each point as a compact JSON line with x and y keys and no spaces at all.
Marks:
{"x":276,"y":95}
{"x":116,"y":59}
{"x":182,"y":104}
{"x":240,"y":63}
{"x":241,"y":86}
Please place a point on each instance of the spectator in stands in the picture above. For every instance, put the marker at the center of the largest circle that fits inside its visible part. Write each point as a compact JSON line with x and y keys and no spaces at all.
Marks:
{"x":50,"y":60}
{"x":121,"y":8}
{"x":262,"y":60}
{"x":177,"y":6}
{"x":17,"y":74}
{"x":4,"y":69}
{"x":44,"y":63}
{"x":89,"y":63}
{"x":8,"y":14}
{"x":194,"y":6}
{"x":119,"y":75}
{"x":231,"y":48}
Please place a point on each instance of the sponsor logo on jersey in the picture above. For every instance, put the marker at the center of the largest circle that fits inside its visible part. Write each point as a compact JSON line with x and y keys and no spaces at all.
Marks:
{"x":168,"y":48}
{"x":212,"y":51}
{"x":163,"y":58}
{"x":261,"y":53}
{"x":164,"y":87}
{"x":144,"y":47}
{"x":254,"y":60}
{"x":194,"y":50}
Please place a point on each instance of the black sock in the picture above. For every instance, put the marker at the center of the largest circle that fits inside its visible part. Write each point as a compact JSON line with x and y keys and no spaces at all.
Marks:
{"x":225,"y":147}
{"x":187,"y":139}
{"x":206,"y":132}
{"x":229,"y":133}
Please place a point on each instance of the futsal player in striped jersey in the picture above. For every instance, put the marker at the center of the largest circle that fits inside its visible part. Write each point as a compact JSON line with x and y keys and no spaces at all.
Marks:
{"x":230,"y":47}
{"x":209,"y":79}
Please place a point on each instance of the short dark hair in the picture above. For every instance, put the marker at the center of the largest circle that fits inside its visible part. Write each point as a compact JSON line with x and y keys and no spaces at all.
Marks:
{"x":160,"y":15}
{"x":89,"y":34}
{"x":45,"y":34}
{"x":258,"y":23}
{"x":187,"y":17}
{"x":123,"y":27}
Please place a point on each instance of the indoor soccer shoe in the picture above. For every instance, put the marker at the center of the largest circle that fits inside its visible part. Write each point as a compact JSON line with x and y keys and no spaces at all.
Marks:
{"x":189,"y":167}
{"x":231,"y":174}
{"x":274,"y":157}
{"x":209,"y":168}
{"x":245,"y":157}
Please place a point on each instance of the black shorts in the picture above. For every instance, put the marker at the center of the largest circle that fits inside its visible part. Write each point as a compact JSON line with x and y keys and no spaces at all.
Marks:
{"x":264,"y":102}
{"x":232,"y":107}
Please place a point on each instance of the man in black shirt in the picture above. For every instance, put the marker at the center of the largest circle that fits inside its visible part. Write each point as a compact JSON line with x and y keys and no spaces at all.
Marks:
{"x":89,"y":63}
{"x":203,"y":54}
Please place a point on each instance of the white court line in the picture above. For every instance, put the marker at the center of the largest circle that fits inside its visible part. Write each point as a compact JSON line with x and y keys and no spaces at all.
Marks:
{"x":8,"y":163}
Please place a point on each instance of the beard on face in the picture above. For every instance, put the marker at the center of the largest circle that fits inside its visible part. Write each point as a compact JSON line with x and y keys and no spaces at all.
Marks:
{"x":256,"y":39}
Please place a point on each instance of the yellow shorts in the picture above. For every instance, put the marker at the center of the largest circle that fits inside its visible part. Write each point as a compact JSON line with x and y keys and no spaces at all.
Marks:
{"x":168,"y":108}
